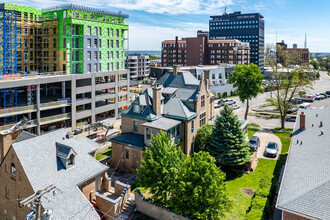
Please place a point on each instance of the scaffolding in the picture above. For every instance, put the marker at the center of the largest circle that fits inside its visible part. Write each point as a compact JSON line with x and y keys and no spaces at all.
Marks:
{"x":8,"y":58}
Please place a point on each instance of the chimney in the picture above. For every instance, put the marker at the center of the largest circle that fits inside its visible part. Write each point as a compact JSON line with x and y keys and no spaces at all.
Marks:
{"x":176,"y":69}
{"x":206,"y":78}
{"x":5,"y":143}
{"x":302,"y":121}
{"x":156,"y":99}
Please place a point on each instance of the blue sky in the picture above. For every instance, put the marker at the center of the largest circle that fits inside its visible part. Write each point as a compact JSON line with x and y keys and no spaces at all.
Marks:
{"x":152,"y":21}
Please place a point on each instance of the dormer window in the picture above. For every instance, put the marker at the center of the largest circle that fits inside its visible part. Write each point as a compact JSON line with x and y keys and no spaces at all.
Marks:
{"x":71,"y":160}
{"x":65,"y":156}
{"x":136,"y":109}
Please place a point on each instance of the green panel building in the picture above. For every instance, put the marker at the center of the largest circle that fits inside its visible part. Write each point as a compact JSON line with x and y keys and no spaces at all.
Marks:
{"x":70,"y":38}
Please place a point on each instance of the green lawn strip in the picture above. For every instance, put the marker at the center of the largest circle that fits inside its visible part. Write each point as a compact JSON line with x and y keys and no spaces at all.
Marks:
{"x":254,"y":125}
{"x":103,"y":154}
{"x":235,"y":182}
{"x":284,"y":129}
{"x":252,"y":131}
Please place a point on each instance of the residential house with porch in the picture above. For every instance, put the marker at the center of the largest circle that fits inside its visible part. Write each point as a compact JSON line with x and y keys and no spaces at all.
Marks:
{"x":178,"y":104}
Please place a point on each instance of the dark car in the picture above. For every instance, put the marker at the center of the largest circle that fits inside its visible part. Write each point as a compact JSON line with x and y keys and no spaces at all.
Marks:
{"x":291,"y":118}
{"x":221,"y":102}
{"x":292,"y":110}
{"x":326,"y":95}
{"x":327,"y":92}
{"x":296,"y":101}
{"x":271,"y":149}
{"x":254,"y":143}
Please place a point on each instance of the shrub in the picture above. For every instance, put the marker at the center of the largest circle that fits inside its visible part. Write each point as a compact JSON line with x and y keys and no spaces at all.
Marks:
{"x":262,"y":192}
{"x":265,"y":182}
{"x":254,"y":214}
{"x":259,"y":202}
{"x":224,"y":95}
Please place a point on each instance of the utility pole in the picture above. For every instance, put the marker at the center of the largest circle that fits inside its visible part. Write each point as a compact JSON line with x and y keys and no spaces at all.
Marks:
{"x":35,"y":200}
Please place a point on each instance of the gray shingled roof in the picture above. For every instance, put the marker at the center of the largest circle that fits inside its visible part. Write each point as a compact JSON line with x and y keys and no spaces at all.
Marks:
{"x":305,"y":186}
{"x":38,"y":158}
{"x":183,"y":87}
{"x":24,"y":135}
{"x":129,"y":139}
{"x":162,"y":124}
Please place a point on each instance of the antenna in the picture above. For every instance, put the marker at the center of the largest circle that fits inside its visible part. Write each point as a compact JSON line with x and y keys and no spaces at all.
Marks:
{"x":225,"y":7}
{"x":305,"y":40}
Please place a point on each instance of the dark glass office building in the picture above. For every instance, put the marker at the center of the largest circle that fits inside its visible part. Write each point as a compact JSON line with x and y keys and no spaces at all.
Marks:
{"x":244,"y":27}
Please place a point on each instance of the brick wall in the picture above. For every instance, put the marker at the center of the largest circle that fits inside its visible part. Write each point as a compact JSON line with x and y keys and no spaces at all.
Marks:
{"x":131,"y":163}
{"x":154,"y":211}
{"x":18,"y":187}
{"x":290,"y":216}
{"x":127,"y":124}
{"x":88,"y":189}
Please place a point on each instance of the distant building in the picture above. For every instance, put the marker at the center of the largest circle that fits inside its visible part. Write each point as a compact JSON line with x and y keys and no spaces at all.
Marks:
{"x":218,"y":73}
{"x":304,"y":191}
{"x":299,"y":56}
{"x":203,"y":51}
{"x":295,"y":46}
{"x":244,"y":27}
{"x":138,"y":66}
{"x":178,"y":104}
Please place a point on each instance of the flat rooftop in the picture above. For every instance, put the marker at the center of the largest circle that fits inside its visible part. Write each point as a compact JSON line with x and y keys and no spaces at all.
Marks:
{"x":163,"y":123}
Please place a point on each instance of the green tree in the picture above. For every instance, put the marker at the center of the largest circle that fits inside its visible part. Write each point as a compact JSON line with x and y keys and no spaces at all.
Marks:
{"x":203,"y":137}
{"x":248,"y":83}
{"x":201,"y":192}
{"x":315,"y":64}
{"x":160,"y":166}
{"x":287,"y":82}
{"x":228,"y":144}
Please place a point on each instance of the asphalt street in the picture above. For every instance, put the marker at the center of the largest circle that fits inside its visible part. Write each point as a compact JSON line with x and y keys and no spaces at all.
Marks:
{"x":319,"y":86}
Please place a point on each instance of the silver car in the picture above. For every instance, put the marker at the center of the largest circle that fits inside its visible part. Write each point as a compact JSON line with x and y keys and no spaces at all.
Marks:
{"x":271,"y":149}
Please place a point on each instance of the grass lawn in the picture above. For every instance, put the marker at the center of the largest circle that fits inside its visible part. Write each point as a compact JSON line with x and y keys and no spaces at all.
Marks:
{"x":254,"y":125}
{"x":235,"y":182}
{"x":252,"y":131}
{"x":103,"y":154}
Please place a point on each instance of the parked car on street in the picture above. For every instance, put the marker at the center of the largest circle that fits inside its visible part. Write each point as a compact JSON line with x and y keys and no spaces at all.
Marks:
{"x":271,"y":149}
{"x":327,"y":92}
{"x":291,"y":118}
{"x":296,"y":101}
{"x":221,"y":102}
{"x":326,"y":95}
{"x":319,"y":96}
{"x":234,"y":106}
{"x":292,"y":110}
{"x":304,"y":106}
{"x":308,"y":98}
{"x":230,"y":101}
{"x":254,"y":143}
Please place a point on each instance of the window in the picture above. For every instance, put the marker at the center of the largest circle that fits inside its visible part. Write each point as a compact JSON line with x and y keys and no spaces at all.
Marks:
{"x":117,"y":54}
{"x":108,"y":67}
{"x":95,"y":43}
{"x":117,"y":43}
{"x":108,"y":32}
{"x":95,"y":67}
{"x":192,"y":126}
{"x":108,"y":43}
{"x":148,"y":133}
{"x":136,"y":108}
{"x":100,"y":42}
{"x":13,"y":171}
{"x":89,"y":42}
{"x":111,"y":44}
{"x":117,"y":33}
{"x":95,"y":55}
{"x":7,"y":192}
{"x":95,"y":31}
{"x":111,"y":32}
{"x":100,"y":31}
{"x":202,"y":119}
{"x":89,"y":30}
{"x":177,"y":130}
{"x":89,"y":55}
{"x":64,"y":29}
{"x":71,"y":160}
{"x":89,"y":68}
{"x":108,"y":53}
{"x":127,"y":154}
{"x":203,"y":101}
{"x":64,"y":55}
{"x":64,"y":42}
{"x":100,"y":56}
{"x":100,"y":66}
{"x":64,"y":15}
{"x":135,"y":126}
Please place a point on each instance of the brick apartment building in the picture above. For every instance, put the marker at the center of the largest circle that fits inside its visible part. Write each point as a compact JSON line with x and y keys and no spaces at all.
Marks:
{"x":299,"y":56}
{"x":178,"y":104}
{"x":204,"y":51}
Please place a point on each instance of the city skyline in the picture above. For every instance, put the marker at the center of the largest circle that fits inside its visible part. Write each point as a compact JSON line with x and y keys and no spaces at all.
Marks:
{"x":159,"y":20}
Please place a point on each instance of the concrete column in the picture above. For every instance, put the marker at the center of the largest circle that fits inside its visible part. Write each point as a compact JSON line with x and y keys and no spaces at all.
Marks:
{"x":63,"y":95}
{"x":93,"y":99}
{"x":116,"y":93}
{"x":98,"y":184}
{"x":73,"y":102}
{"x":224,"y":80}
{"x":38,"y":108}
{"x":128,"y":88}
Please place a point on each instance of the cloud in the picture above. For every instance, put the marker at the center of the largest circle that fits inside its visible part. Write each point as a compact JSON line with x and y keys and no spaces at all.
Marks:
{"x":148,"y":37}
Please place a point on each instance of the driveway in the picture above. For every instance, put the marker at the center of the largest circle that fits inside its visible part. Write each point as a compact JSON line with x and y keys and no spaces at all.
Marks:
{"x":265,"y":138}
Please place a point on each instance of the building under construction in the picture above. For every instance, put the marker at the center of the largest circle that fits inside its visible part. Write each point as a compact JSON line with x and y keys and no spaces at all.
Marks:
{"x":62,"y":65}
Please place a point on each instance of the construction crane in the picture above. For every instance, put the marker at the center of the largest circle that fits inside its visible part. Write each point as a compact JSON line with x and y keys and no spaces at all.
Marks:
{"x":23,"y":123}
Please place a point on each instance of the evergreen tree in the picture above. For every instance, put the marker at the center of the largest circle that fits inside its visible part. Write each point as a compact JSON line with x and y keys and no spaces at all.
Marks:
{"x":228,"y":144}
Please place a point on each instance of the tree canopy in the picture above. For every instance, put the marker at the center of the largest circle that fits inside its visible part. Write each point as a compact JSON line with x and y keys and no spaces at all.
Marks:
{"x":248,"y":82}
{"x":228,"y":144}
{"x":315,"y":64}
{"x":203,"y":137}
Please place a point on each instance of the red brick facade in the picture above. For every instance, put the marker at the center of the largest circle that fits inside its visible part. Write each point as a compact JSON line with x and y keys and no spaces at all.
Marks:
{"x":202,"y":51}
{"x":290,"y":216}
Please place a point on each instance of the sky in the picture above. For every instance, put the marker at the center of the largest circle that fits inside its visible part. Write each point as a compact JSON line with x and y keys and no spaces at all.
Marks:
{"x":152,"y":21}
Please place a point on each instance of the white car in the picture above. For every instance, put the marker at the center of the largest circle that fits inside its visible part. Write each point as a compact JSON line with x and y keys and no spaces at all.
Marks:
{"x":234,"y":106}
{"x":230,"y":101}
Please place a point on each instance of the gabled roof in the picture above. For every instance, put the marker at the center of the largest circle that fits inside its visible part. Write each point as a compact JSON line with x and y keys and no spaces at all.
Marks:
{"x":305,"y":186}
{"x":24,"y":135}
{"x":38,"y":159}
{"x":176,"y":91}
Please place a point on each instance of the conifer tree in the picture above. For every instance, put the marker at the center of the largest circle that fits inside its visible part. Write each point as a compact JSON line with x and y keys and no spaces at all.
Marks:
{"x":228,"y":144}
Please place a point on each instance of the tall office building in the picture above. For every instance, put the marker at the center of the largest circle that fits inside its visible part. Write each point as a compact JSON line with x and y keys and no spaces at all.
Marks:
{"x":244,"y":27}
